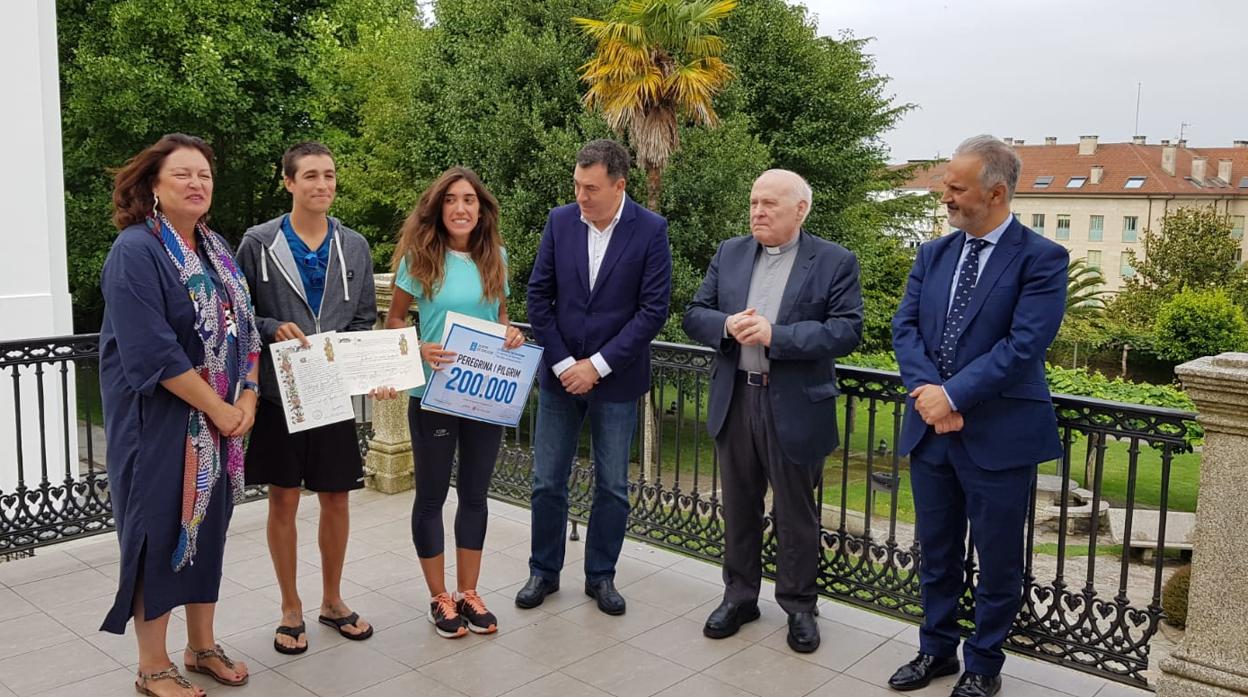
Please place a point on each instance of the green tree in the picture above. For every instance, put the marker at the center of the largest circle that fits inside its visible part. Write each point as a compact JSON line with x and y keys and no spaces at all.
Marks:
{"x":1197,"y":323}
{"x":491,"y":86}
{"x":494,"y":86}
{"x":656,"y":61}
{"x":248,"y":77}
{"x":1193,"y":249}
{"x":819,"y":106}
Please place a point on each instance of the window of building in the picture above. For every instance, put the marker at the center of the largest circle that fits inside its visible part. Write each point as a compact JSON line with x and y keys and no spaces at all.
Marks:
{"x":1037,"y":222}
{"x":1130,"y":228}
{"x":1043,"y":182}
{"x":1238,"y":255}
{"x":1243,"y":182}
{"x":1096,"y":228}
{"x":1237,"y":227}
{"x":1125,"y":269}
{"x":1134,"y":182}
{"x":1063,"y":226}
{"x":1094,"y":259}
{"x":1076,"y":182}
{"x":1194,"y":183}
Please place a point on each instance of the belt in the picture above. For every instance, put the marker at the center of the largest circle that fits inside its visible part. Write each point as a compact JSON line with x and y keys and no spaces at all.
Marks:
{"x":754,"y":379}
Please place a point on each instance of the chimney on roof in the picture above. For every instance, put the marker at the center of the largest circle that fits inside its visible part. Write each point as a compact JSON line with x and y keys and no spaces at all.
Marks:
{"x":1224,"y":170}
{"x":1018,"y":142}
{"x":1087,"y":145}
{"x":1239,"y":143}
{"x":1182,"y":142}
{"x":1050,"y":140}
{"x":1167,"y":157}
{"x":1139,"y":140}
{"x":1098,"y":173}
{"x":1198,"y":168}
{"x":1008,"y":141}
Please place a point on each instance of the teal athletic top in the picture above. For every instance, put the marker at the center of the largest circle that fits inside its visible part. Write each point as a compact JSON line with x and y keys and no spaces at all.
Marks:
{"x":460,"y":292}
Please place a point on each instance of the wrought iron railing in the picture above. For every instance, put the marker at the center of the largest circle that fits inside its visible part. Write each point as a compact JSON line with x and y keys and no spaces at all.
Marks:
{"x":1088,"y":604}
{"x":62,"y":491}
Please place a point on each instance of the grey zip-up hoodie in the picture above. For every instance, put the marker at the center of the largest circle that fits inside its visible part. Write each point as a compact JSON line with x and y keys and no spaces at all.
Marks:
{"x":349,"y":303}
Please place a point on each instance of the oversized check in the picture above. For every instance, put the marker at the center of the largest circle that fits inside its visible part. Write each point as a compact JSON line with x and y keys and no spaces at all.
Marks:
{"x":485,"y":382}
{"x":312,"y":390}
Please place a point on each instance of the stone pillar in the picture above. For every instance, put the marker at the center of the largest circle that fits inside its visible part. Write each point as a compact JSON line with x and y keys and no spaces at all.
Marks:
{"x":1212,"y":660}
{"x":34,"y":286}
{"x":388,"y":467}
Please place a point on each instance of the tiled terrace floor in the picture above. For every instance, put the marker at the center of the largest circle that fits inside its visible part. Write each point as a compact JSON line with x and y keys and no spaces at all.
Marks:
{"x":52,"y":604}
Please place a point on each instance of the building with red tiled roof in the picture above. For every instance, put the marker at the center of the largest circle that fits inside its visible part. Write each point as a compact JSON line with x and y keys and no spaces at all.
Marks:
{"x":1097,"y":199}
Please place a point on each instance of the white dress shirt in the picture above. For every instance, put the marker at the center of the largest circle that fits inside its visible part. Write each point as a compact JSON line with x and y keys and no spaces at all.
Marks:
{"x":992,"y":238}
{"x":597,"y":247}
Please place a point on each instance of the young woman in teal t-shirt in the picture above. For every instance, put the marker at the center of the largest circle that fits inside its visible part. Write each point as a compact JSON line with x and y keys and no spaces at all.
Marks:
{"x":450,"y":258}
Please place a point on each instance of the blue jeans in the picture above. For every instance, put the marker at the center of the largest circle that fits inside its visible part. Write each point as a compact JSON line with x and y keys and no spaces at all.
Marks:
{"x":559,"y":420}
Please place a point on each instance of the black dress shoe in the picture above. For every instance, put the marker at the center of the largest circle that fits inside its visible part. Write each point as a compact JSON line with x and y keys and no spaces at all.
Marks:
{"x":727,"y":619}
{"x":534,"y":592}
{"x":976,"y":685}
{"x":609,"y":599}
{"x":803,"y":632}
{"x":918,"y":673}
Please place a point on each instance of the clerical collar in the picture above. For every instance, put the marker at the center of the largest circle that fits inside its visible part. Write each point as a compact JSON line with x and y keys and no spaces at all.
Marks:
{"x":774,"y":251}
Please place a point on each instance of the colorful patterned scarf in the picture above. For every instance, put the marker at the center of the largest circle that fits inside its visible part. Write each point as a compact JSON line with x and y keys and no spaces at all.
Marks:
{"x":225,"y":324}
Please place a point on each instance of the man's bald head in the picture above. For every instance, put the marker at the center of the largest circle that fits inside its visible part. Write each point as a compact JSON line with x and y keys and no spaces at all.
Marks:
{"x":779,"y":203}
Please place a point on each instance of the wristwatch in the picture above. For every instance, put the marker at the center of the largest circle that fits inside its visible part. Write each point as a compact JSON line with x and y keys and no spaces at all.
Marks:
{"x":254,"y":387}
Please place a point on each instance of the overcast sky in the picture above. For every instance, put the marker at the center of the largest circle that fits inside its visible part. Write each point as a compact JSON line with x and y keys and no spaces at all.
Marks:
{"x":1065,"y":68}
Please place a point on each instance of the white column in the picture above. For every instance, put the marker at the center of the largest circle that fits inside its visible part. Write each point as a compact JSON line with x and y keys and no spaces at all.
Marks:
{"x":34,"y":293}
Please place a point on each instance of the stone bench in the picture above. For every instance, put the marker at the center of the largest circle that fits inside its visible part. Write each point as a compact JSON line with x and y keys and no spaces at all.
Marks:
{"x":1180,"y":527}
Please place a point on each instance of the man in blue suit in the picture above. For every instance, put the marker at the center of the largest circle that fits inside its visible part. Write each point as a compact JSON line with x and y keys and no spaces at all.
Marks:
{"x":597,"y":297}
{"x":981,"y":307}
{"x":779,"y":306}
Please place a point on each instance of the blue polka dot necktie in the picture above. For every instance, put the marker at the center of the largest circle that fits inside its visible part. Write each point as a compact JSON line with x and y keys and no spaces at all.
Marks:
{"x":957,"y":309}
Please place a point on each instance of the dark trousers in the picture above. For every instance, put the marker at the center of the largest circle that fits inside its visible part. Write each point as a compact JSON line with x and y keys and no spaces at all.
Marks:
{"x":950,"y":491}
{"x":434,"y":440}
{"x":750,"y":458}
{"x":611,"y":426}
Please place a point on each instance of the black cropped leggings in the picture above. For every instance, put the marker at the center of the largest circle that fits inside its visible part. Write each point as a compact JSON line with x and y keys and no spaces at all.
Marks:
{"x":434,"y":440}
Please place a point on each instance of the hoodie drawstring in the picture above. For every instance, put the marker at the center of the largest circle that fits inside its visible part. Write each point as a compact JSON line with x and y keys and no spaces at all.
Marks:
{"x":343,"y":268}
{"x":264,"y":264}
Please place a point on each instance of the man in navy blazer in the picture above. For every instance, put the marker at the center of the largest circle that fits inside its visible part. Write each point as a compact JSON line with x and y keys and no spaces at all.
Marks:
{"x":597,"y":297}
{"x":779,"y":307}
{"x":981,"y":307}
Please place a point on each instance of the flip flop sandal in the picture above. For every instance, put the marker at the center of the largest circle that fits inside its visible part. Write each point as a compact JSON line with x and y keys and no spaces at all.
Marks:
{"x":214,"y":652}
{"x":293,"y":633}
{"x":340,"y":622}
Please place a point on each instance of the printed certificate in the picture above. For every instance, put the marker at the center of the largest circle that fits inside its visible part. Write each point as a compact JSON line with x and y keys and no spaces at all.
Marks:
{"x":380,"y":358}
{"x":310,"y":382}
{"x":485,"y":382}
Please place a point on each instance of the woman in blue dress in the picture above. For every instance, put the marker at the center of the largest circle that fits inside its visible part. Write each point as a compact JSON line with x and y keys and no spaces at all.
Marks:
{"x":178,"y":350}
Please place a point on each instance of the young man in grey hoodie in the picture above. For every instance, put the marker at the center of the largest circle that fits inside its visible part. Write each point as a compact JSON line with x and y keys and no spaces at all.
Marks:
{"x":308,"y":274}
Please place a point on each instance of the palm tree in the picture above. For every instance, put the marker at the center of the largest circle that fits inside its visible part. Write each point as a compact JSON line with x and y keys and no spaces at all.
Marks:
{"x":656,"y":61}
{"x":1085,"y":290}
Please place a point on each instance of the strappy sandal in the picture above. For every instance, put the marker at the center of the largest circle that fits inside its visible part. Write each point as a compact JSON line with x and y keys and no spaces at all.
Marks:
{"x":170,"y":673}
{"x":340,"y":622}
{"x":293,"y":633}
{"x":215,"y":652}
